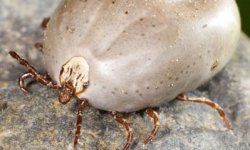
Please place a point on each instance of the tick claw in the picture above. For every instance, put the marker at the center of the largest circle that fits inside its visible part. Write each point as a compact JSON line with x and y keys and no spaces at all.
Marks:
{"x":25,"y":91}
{"x":21,"y":82}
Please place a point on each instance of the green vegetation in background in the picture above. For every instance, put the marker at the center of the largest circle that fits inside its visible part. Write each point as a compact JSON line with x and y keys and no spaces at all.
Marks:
{"x":244,"y":6}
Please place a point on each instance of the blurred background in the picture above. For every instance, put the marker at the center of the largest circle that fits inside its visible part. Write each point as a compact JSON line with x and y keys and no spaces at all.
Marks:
{"x":244,"y":6}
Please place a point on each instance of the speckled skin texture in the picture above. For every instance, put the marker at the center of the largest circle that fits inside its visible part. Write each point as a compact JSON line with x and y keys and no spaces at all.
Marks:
{"x":142,"y":53}
{"x":37,"y":120}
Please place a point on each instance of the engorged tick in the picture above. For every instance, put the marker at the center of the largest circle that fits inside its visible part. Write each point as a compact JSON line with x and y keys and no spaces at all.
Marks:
{"x":163,"y":54}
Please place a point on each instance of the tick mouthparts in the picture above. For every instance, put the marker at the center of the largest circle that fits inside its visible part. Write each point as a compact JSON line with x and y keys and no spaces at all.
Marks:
{"x":76,"y":71}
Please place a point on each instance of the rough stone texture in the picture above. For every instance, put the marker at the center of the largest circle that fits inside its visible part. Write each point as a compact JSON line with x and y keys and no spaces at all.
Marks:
{"x":38,"y":121}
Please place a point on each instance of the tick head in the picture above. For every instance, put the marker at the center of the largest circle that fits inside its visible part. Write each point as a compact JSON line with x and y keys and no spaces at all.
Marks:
{"x":74,"y":78}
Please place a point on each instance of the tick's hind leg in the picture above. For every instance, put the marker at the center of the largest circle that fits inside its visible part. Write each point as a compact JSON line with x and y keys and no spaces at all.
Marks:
{"x":82,"y":104}
{"x":122,"y":121}
{"x":45,"y":22}
{"x":152,"y":114}
{"x":208,"y":102}
{"x":32,"y":72}
{"x":39,"y":46}
{"x":44,"y":25}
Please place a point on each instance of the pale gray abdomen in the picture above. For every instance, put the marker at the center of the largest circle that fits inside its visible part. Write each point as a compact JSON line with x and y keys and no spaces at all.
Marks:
{"x":145,"y":56}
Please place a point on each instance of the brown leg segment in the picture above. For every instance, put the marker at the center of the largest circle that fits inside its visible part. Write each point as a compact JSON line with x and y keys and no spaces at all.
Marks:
{"x":44,"y":25}
{"x":152,"y":114}
{"x":45,"y":22}
{"x":39,"y":46}
{"x":208,"y":102}
{"x":21,"y":81}
{"x":122,"y":121}
{"x":82,"y":104}
{"x":32,"y":72}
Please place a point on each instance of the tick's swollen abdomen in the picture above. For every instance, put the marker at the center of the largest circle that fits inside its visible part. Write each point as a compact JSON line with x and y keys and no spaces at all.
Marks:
{"x":141,"y":53}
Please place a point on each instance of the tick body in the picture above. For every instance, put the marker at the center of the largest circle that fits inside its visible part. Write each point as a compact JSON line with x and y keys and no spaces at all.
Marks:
{"x":141,"y":53}
{"x":129,"y":55}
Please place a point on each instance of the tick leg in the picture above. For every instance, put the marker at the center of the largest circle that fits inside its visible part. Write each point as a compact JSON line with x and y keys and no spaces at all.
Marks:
{"x":33,"y":72}
{"x":208,"y":102}
{"x":44,"y":25}
{"x":124,"y":122}
{"x":82,"y":104}
{"x":21,"y":81}
{"x":39,"y":46}
{"x":152,"y":114}
{"x":45,"y":22}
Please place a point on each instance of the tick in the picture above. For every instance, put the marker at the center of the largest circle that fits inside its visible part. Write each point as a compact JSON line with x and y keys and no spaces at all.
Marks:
{"x":130,"y":55}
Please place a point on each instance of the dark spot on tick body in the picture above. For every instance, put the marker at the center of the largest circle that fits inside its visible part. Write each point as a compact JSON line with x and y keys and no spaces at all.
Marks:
{"x":83,"y":0}
{"x":214,"y":65}
{"x":204,"y":26}
{"x":70,"y":29}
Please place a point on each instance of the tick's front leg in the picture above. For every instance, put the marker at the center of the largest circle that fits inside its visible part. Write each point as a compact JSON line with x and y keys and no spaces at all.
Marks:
{"x":33,"y":73}
{"x":22,"y":83}
{"x":82,"y":104}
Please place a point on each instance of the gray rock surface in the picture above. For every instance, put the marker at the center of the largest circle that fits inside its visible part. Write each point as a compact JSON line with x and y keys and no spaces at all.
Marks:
{"x":38,"y":121}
